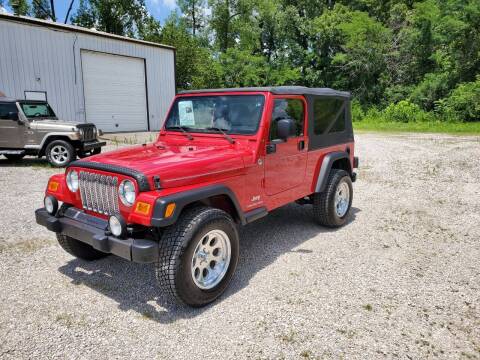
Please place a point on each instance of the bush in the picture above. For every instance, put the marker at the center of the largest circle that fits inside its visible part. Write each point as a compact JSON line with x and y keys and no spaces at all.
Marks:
{"x":432,"y":88}
{"x":357,"y":111}
{"x":463,"y":103}
{"x":404,"y":111}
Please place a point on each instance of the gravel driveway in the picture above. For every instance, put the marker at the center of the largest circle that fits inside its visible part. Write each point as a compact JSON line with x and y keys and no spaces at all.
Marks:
{"x":401,"y":279}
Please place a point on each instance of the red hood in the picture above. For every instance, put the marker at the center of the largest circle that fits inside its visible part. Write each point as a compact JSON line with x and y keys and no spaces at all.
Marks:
{"x":179,"y":164}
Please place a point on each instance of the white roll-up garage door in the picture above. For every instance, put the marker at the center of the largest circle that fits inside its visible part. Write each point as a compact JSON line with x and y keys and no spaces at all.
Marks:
{"x":114,"y":90}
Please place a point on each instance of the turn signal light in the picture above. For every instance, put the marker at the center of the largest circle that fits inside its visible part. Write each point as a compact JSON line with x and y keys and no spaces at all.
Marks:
{"x":142,"y":208}
{"x":53,"y":186}
{"x":169,"y":210}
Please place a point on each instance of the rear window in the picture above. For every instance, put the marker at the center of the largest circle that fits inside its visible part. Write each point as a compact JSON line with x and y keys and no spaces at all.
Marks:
{"x":329,"y":116}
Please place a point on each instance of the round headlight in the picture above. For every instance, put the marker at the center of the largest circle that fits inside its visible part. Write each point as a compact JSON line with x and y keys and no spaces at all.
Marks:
{"x":72,"y":181}
{"x":51,"y":204}
{"x":126,"y":191}
{"x":117,"y":226}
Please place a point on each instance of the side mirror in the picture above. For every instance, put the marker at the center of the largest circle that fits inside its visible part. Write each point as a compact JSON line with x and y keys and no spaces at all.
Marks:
{"x":285,"y":128}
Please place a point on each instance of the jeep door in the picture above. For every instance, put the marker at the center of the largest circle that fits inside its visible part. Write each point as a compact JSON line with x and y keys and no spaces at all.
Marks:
{"x":12,"y":131}
{"x":286,"y":160}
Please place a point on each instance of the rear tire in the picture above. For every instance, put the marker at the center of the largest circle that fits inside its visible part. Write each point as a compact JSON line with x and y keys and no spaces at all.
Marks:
{"x":14,"y":157}
{"x":198,"y":256}
{"x":332,"y":206}
{"x":60,"y":153}
{"x":79,"y":249}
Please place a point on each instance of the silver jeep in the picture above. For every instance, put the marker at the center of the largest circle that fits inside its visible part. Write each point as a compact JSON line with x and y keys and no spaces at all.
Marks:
{"x":29,"y":127}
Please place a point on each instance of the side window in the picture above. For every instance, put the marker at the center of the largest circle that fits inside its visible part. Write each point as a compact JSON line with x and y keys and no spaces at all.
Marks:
{"x":329,"y":115}
{"x":5,"y":109}
{"x":287,"y":109}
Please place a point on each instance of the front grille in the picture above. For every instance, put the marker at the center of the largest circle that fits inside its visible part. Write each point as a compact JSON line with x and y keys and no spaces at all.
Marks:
{"x":88,"y":133}
{"x":99,"y":193}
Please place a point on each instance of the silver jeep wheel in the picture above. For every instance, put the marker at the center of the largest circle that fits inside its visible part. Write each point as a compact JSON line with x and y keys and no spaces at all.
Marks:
{"x":342,"y":199}
{"x":59,"y":154}
{"x":211,"y":259}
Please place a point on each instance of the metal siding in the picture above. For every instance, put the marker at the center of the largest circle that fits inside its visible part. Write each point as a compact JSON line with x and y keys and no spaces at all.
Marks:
{"x":30,"y":51}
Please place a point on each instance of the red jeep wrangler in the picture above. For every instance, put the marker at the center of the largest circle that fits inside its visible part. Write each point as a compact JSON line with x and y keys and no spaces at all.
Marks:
{"x":223,"y":158}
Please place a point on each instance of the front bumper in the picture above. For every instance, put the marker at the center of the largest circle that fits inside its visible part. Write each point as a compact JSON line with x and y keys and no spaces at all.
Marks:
{"x":93,"y":231}
{"x":92,"y":145}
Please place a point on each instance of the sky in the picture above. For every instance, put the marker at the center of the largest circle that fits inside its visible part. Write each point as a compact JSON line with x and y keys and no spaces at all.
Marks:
{"x":159,"y":9}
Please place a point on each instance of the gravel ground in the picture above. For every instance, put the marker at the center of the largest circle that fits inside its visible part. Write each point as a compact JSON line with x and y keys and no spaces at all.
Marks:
{"x":401,"y":279}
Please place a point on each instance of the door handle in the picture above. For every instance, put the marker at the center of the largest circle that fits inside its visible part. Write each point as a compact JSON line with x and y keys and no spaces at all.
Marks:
{"x":301,"y":145}
{"x":271,"y":148}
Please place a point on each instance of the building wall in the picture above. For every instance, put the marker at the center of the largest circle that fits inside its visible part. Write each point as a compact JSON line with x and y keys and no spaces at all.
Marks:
{"x":38,"y":58}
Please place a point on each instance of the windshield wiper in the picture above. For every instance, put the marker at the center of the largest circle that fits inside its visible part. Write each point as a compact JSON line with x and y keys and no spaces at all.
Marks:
{"x":183,"y":129}
{"x":230,"y":140}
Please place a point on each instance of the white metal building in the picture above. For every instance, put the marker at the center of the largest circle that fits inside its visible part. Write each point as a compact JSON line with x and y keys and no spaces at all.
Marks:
{"x":115,"y":82}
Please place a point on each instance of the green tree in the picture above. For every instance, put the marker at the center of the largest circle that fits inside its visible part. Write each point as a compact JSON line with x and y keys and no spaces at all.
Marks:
{"x":41,"y":9}
{"x":196,"y":68}
{"x":121,"y":17}
{"x":240,"y":68}
{"x":193,"y":10}
{"x":227,"y":20}
{"x":19,"y":7}
{"x":84,"y":15}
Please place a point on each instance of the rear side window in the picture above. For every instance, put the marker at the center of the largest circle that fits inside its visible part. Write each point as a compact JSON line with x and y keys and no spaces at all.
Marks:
{"x":7,"y":108}
{"x":287,"y":109}
{"x":329,"y":116}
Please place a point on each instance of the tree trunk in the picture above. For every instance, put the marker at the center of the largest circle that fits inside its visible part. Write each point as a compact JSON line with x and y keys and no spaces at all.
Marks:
{"x":52,"y":9}
{"x":194,"y":25}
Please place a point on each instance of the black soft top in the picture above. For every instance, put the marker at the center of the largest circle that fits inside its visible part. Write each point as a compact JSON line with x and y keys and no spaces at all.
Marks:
{"x":279,"y":90}
{"x":5,"y":99}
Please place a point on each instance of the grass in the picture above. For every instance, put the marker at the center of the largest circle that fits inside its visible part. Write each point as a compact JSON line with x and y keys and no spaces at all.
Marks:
{"x":472,"y":128}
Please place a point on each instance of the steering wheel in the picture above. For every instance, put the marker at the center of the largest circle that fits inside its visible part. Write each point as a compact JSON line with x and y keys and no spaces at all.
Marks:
{"x":37,"y":114}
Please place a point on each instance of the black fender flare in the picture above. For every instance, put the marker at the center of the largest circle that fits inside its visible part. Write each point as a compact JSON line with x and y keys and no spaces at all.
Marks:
{"x":327,"y":163}
{"x":185,"y":198}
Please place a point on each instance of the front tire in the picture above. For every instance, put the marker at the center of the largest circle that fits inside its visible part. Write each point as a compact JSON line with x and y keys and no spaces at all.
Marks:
{"x":332,"y":206}
{"x":79,"y":249}
{"x":198,"y":256}
{"x":60,"y":153}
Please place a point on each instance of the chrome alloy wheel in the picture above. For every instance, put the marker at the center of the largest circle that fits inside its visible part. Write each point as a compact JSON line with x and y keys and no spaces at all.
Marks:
{"x":211,"y":259}
{"x":59,"y":154}
{"x":342,"y":199}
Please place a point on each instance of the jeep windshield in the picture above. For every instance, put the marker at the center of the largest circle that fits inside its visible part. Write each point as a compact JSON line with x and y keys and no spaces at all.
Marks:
{"x":37,"y":110}
{"x":232,"y":114}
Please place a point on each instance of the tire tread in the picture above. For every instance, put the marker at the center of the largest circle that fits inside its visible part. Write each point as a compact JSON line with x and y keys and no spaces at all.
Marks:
{"x":322,"y":202}
{"x":78,"y":249}
{"x":175,"y":240}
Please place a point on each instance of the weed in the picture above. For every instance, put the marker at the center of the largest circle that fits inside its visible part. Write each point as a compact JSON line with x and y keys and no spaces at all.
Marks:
{"x":307,"y":354}
{"x":290,"y":337}
{"x":368,"y":307}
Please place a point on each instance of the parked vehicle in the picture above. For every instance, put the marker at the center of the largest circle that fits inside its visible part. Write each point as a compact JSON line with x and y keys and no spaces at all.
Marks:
{"x":30,"y":127}
{"x":223,"y":158}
